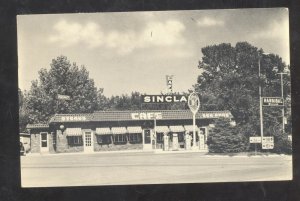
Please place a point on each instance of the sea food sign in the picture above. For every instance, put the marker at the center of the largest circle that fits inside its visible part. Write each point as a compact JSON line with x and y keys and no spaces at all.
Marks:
{"x":163,"y":98}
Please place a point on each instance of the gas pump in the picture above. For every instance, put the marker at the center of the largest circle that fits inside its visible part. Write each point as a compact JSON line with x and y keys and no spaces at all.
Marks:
{"x":175,"y":144}
{"x":201,"y":139}
{"x":188,"y":141}
{"x":166,"y":142}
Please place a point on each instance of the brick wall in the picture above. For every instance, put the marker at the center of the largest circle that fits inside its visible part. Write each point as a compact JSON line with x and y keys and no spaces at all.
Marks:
{"x":62,"y":145}
{"x":35,"y":143}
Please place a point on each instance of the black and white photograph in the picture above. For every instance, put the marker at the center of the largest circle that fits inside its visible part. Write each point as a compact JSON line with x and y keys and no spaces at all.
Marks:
{"x":154,"y":97}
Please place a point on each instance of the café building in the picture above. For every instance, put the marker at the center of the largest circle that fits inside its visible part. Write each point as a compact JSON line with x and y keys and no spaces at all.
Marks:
{"x":123,"y":130}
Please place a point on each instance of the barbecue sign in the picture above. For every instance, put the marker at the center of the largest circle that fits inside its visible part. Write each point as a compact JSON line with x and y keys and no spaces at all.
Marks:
{"x":272,"y":101}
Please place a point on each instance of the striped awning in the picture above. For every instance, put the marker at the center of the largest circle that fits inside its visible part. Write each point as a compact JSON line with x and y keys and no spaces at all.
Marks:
{"x":118,"y":130}
{"x":103,"y":131}
{"x":73,"y":132}
{"x":177,"y":129}
{"x":162,"y":129}
{"x":190,"y":127}
{"x":134,"y":129}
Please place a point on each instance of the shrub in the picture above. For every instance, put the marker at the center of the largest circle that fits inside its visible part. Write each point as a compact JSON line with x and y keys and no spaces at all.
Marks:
{"x":224,"y":138}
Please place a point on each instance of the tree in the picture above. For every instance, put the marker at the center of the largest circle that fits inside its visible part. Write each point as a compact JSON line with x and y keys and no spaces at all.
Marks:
{"x":23,"y":112}
{"x":230,"y":81}
{"x":63,"y":78}
{"x":224,"y":138}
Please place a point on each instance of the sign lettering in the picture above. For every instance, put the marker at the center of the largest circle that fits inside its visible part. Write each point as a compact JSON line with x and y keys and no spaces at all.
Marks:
{"x":73,"y":118}
{"x":146,"y":115}
{"x":267,"y":143}
{"x":255,"y":139}
{"x":272,"y":101}
{"x":163,"y":98}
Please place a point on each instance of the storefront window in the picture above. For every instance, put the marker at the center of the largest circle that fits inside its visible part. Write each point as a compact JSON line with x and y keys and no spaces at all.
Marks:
{"x":75,"y":140}
{"x":135,"y":137}
{"x":159,"y":137}
{"x":104,"y":139}
{"x":119,"y":138}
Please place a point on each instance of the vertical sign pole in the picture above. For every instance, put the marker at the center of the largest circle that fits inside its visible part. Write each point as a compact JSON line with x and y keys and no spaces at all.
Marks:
{"x":194,"y":130}
{"x":155,"y":131}
{"x":260,"y":105}
{"x":283,"y":104}
{"x":194,"y":105}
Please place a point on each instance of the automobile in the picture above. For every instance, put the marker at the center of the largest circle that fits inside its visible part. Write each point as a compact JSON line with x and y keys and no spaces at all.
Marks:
{"x":22,"y":149}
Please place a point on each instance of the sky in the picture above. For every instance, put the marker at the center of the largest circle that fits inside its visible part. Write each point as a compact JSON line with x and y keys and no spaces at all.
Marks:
{"x":134,"y":51}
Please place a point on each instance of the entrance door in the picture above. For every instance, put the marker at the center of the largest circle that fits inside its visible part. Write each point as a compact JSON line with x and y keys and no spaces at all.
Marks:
{"x":44,"y":142}
{"x":88,"y":142}
{"x":147,"y":140}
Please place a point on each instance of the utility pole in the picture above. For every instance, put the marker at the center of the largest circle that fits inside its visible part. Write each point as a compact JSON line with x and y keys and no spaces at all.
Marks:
{"x":260,"y":104}
{"x":281,"y":81}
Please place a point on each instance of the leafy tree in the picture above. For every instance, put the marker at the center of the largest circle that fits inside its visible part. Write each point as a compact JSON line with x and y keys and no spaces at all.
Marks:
{"x":230,"y":81}
{"x":63,"y":78}
{"x":23,"y":112}
{"x":224,"y":138}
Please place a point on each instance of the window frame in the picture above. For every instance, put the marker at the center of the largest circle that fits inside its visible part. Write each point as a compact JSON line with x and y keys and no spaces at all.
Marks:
{"x":135,"y":137}
{"x":117,"y":138}
{"x":75,"y":140}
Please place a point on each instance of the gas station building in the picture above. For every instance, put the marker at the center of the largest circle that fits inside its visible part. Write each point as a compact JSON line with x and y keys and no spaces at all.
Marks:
{"x":167,"y":130}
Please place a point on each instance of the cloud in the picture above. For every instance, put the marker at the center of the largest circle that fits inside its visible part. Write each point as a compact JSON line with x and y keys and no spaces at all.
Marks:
{"x":154,"y":34}
{"x":209,"y":22}
{"x":68,"y":34}
{"x":276,"y":30}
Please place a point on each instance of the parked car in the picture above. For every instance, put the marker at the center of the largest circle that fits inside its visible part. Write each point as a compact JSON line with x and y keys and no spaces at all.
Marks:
{"x":22,"y":149}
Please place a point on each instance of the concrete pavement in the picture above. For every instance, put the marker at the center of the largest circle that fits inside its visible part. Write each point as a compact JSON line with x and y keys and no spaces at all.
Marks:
{"x":150,"y":168}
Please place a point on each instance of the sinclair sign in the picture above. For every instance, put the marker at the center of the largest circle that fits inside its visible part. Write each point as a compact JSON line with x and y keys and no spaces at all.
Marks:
{"x":163,"y":98}
{"x":272,"y":101}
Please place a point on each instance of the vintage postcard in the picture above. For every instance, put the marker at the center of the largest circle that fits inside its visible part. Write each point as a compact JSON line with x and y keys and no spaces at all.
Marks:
{"x":160,"y":97}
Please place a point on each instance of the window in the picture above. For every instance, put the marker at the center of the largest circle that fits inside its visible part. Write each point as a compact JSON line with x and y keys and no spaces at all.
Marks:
{"x":181,"y":137}
{"x":75,"y":140}
{"x":159,"y":137}
{"x":44,"y":140}
{"x":135,"y":137}
{"x":119,"y":138}
{"x":103,"y":139}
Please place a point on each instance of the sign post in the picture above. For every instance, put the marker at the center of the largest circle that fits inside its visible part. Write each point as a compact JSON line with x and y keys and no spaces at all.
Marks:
{"x":194,"y":104}
{"x":267,"y":142}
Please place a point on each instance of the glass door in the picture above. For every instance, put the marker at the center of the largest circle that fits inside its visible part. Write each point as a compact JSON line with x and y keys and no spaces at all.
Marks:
{"x":88,"y":142}
{"x":44,"y":142}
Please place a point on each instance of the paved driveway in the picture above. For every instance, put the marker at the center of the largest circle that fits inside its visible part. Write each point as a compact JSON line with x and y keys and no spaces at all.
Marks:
{"x":149,"y":168}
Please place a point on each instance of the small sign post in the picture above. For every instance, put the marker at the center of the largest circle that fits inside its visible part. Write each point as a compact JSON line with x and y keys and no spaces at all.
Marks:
{"x":267,"y":143}
{"x":194,"y":104}
{"x":255,"y":139}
